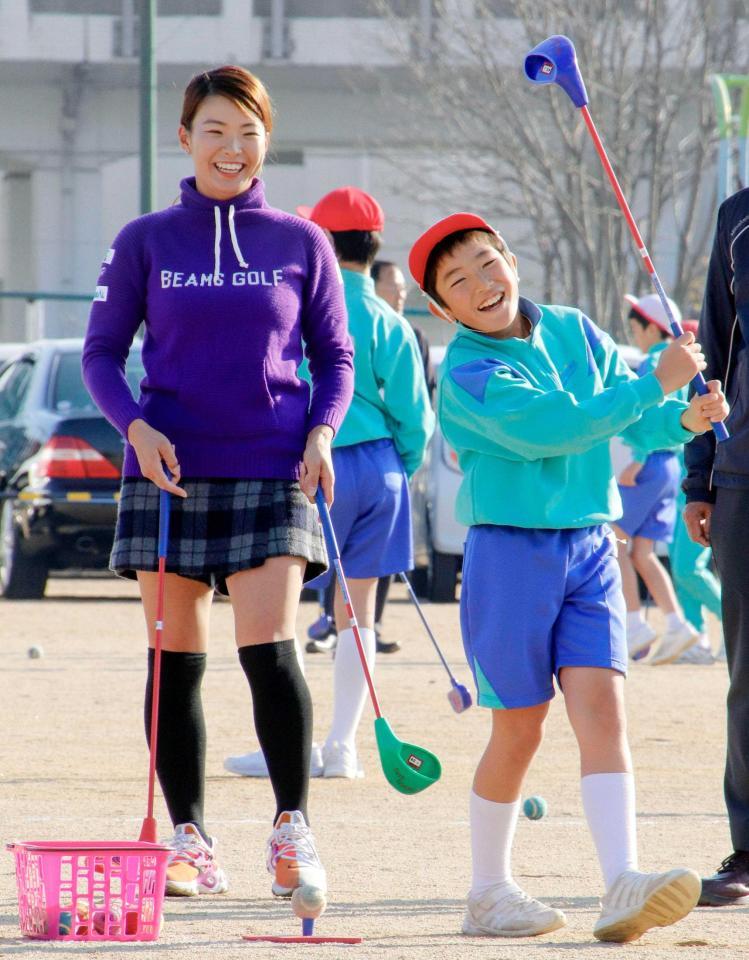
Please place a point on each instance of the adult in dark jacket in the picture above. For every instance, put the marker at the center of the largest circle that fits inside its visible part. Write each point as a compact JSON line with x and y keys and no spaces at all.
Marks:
{"x":717,"y":515}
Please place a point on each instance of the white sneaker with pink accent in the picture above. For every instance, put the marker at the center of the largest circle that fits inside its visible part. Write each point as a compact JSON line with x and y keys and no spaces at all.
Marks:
{"x":192,"y":867}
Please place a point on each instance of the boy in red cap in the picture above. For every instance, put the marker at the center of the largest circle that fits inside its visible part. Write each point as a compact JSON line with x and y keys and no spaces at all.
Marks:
{"x":380,"y":444}
{"x":529,"y":397}
{"x":648,"y":486}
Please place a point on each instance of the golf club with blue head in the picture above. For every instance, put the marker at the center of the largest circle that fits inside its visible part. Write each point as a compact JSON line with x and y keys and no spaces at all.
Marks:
{"x":554,"y":61}
{"x":407,"y":767}
{"x":459,"y":697}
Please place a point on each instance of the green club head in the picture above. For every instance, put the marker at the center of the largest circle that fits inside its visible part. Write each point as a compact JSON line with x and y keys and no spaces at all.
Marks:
{"x":408,"y":768}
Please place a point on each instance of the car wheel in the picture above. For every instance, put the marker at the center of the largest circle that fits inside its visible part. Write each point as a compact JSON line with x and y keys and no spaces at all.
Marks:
{"x":21,"y":577}
{"x":444,"y":577}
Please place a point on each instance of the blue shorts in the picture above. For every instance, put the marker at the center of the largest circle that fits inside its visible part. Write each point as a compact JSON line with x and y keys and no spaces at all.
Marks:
{"x":371,"y":512}
{"x":650,"y":506}
{"x":534,"y":601}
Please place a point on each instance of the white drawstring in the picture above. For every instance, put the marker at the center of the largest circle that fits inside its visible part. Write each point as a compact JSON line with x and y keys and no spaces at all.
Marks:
{"x":217,"y":245}
{"x":234,"y":241}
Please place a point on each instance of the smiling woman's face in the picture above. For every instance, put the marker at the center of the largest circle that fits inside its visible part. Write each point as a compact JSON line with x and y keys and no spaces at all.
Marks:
{"x":227,"y":145}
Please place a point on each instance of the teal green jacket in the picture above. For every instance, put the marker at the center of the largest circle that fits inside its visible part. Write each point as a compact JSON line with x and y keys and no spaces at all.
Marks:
{"x":390,"y":392}
{"x":531,"y":420}
{"x":648,"y":365}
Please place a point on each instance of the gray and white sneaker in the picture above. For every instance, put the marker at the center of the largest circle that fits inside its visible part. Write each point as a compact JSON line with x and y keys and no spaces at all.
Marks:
{"x":340,"y":761}
{"x":699,"y":653}
{"x":638,"y":901}
{"x":254,"y":764}
{"x":505,"y":911}
{"x":673,"y":644}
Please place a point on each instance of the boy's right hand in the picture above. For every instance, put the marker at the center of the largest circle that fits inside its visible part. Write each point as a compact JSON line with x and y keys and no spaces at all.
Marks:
{"x":680,"y":362}
{"x":153,"y":451}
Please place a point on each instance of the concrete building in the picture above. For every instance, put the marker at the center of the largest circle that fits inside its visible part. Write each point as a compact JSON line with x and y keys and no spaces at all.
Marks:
{"x":69,"y":100}
{"x":346,"y":111}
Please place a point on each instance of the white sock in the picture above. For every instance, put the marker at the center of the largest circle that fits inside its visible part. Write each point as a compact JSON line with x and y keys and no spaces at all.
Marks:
{"x":674,"y":621}
{"x":492,"y":832}
{"x":609,"y":805}
{"x":299,"y":653}
{"x":634,"y":619}
{"x":349,"y":684}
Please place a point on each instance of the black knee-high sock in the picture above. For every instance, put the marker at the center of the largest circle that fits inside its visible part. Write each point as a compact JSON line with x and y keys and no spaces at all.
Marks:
{"x":282,"y":708}
{"x":180,"y":751}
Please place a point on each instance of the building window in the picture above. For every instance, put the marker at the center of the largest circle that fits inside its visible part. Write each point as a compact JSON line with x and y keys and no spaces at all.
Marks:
{"x":113,"y":8}
{"x":343,"y":8}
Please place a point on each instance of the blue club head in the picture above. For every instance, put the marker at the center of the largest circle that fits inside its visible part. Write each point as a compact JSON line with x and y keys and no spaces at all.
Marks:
{"x":554,"y":61}
{"x":459,"y":697}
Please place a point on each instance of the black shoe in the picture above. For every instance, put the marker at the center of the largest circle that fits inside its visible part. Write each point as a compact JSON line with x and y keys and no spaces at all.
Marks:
{"x":730,"y":884}
{"x":383,"y":646}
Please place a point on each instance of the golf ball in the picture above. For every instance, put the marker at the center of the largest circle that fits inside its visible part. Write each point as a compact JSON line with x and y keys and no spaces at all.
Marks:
{"x":34,"y":652}
{"x":534,"y":808}
{"x":308,"y":902}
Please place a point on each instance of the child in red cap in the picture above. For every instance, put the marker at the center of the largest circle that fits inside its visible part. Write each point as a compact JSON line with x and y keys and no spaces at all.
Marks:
{"x":529,"y":397}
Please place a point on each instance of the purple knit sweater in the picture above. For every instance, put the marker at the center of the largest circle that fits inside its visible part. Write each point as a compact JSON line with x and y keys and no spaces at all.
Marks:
{"x":228,"y":290}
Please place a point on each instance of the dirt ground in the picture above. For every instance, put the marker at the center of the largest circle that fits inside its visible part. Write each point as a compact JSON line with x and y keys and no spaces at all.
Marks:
{"x":74,"y":766}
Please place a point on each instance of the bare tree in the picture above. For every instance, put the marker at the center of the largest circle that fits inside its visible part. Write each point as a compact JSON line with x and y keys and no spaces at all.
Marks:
{"x":492,"y":142}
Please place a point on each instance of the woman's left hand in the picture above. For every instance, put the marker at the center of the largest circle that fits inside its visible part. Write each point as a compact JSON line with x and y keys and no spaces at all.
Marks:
{"x":317,"y":464}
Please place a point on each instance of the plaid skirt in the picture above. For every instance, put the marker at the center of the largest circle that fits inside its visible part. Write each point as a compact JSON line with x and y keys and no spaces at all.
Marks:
{"x":221,"y":527}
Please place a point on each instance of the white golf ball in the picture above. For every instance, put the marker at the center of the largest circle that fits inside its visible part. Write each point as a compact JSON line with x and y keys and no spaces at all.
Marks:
{"x":35,"y":652}
{"x":308,"y":902}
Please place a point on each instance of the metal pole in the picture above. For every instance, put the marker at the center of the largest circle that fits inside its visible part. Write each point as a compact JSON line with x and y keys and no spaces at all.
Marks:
{"x":147,"y":106}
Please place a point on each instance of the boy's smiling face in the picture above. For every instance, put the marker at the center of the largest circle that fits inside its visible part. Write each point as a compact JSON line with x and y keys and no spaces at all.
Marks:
{"x":478,"y":286}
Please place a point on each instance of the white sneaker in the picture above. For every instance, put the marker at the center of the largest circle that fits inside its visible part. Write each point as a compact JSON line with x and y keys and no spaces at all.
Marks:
{"x":340,"y":760}
{"x":638,"y":901}
{"x":699,"y":653}
{"x":254,"y":764}
{"x":291,"y":856}
{"x":673,"y":644}
{"x":639,"y":640}
{"x":191,"y":866}
{"x":505,"y":911}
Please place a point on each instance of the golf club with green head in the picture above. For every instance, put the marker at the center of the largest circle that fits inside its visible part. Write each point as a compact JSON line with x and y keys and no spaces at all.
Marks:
{"x":407,"y":767}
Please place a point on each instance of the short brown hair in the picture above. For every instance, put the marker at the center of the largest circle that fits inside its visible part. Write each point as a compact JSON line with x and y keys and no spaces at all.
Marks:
{"x":446,"y":246}
{"x":234,"y":83}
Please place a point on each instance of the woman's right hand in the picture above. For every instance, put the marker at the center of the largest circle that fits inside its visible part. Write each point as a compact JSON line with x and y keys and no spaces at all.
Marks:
{"x":153,"y":451}
{"x":679,"y":363}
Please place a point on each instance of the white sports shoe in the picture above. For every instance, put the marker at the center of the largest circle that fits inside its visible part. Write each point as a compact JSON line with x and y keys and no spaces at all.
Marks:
{"x":673,"y":644}
{"x":340,"y":760}
{"x":639,"y":640}
{"x":638,"y":901}
{"x":291,"y":856}
{"x":192,"y":867}
{"x":698,"y":653}
{"x":505,"y":911}
{"x":254,"y":764}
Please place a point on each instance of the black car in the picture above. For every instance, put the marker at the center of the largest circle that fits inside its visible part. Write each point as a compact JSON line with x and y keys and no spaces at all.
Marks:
{"x":60,"y":464}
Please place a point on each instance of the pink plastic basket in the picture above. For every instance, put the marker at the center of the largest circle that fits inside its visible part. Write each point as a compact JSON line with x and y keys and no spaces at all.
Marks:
{"x":90,"y":890}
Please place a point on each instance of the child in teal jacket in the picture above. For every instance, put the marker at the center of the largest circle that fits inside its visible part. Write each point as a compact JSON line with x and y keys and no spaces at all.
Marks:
{"x":529,"y":397}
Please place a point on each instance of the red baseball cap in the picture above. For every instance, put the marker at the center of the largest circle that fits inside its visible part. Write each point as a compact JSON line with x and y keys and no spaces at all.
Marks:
{"x":417,"y":258}
{"x":347,"y":208}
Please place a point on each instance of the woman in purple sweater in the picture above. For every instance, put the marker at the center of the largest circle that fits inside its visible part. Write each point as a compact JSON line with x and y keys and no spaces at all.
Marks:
{"x":228,"y":289}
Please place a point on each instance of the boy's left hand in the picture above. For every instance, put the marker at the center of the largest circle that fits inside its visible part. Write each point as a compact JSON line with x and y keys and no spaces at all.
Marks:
{"x":704,"y":411}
